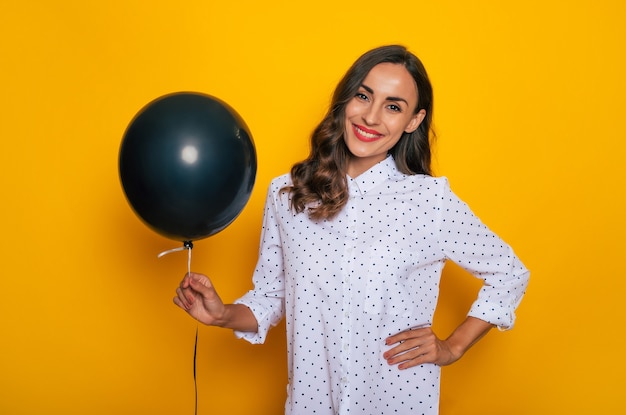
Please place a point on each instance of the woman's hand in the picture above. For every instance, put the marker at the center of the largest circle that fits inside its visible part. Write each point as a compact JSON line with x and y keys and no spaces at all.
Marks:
{"x":197,"y":296}
{"x":418,"y":346}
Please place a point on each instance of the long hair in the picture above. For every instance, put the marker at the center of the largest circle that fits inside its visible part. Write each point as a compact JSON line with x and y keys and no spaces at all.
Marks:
{"x":319,"y":182}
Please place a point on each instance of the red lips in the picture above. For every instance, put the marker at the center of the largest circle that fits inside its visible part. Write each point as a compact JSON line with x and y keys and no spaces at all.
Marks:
{"x":365,"y":134}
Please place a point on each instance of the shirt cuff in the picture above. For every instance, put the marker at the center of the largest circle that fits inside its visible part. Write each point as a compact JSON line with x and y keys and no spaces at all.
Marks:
{"x":263,"y":318}
{"x":499,"y":315}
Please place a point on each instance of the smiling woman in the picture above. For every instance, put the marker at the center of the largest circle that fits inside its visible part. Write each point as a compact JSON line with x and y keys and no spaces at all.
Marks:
{"x":355,"y":270}
{"x":320,"y":179}
{"x":530,"y":132}
{"x":384,"y":108}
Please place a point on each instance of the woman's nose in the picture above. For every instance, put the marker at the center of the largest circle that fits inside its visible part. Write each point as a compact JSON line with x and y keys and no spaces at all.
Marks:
{"x":372,"y":115}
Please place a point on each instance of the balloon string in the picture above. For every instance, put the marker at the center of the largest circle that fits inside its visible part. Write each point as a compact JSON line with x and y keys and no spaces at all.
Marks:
{"x":195,"y":345}
{"x":195,"y":380}
{"x":188,"y":245}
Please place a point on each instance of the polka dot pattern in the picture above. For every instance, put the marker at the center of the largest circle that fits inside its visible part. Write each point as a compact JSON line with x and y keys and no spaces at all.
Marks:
{"x":344,"y":285}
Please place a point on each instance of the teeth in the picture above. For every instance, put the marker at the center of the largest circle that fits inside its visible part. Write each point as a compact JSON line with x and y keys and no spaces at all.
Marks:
{"x":365,"y":134}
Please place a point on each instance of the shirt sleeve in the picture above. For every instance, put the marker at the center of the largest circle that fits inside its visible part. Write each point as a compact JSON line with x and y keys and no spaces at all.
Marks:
{"x":466,"y":241}
{"x":266,"y":299}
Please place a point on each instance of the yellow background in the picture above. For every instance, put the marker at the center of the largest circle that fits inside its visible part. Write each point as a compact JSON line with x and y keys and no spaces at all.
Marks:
{"x":529,"y":108}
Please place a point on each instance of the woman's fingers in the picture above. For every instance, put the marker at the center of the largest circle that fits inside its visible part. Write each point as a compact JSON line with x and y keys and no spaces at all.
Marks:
{"x":412,"y":347}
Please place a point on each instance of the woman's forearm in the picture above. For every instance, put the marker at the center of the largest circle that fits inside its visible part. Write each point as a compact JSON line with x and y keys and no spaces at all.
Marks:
{"x":238,"y":317}
{"x":467,"y":334}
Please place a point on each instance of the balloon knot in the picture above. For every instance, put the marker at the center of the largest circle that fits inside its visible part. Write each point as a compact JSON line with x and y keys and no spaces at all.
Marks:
{"x":186,"y":245}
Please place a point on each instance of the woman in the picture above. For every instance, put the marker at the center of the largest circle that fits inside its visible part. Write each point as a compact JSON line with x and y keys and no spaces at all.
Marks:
{"x":353,"y":244}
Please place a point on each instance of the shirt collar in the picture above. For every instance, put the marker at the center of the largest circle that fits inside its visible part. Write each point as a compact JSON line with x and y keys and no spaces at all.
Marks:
{"x":372,"y":177}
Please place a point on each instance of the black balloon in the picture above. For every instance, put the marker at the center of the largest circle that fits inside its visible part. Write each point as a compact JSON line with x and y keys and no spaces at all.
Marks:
{"x":187,"y":164}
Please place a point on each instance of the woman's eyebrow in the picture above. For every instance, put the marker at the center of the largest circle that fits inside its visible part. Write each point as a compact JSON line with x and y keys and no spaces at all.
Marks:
{"x":371,"y":91}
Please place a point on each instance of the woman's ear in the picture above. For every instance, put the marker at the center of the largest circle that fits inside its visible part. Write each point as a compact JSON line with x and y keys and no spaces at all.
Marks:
{"x":415,"y":121}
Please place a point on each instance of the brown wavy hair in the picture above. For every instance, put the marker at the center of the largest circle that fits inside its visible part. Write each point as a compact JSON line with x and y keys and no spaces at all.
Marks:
{"x":319,"y":182}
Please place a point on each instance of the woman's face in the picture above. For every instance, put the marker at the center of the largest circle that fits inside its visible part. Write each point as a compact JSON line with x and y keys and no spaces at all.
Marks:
{"x":382,"y":109}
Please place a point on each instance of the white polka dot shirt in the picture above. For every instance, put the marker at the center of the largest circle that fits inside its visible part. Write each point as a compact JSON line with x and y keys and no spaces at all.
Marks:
{"x":346,"y":284}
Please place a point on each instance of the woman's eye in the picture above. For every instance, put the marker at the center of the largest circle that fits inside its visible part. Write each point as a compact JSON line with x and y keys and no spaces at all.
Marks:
{"x":362,"y":96}
{"x":395,"y":108}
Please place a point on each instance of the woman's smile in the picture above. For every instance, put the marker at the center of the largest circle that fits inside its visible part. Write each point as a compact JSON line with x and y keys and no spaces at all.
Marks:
{"x":365,"y":134}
